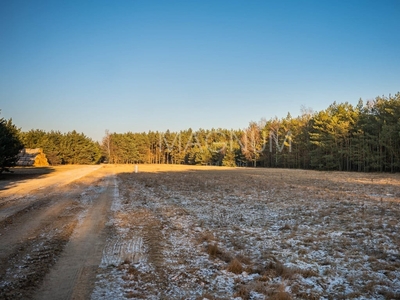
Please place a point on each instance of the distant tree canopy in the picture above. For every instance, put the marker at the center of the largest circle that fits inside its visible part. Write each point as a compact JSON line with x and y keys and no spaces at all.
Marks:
{"x":63,"y":148}
{"x":10,"y":144}
{"x":342,"y":137}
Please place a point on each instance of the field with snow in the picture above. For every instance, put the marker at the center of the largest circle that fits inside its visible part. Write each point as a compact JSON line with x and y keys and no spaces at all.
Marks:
{"x":218,"y":233}
{"x":182,"y":232}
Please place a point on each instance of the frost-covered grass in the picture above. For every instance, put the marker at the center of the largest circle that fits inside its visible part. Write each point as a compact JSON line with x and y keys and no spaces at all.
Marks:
{"x":252,"y":234}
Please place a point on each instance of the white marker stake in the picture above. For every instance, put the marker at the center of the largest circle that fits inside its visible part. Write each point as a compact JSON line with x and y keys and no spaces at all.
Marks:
{"x":136,"y":168}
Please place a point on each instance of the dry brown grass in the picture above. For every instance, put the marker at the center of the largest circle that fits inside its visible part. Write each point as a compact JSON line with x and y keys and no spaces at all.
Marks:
{"x":280,"y":294}
{"x":235,"y":266}
{"x":213,"y":250}
{"x":302,"y":218}
{"x":206,"y":236}
{"x":286,"y":227}
{"x":276,"y":269}
{"x":243,"y":292}
{"x":243,"y":259}
{"x":207,"y":296}
{"x":307,"y":273}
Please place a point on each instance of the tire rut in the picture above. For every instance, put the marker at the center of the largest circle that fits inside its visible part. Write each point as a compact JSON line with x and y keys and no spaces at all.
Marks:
{"x":29,"y":223}
{"x":34,"y":236}
{"x":73,"y":275}
{"x":154,"y":240}
{"x":25,"y":268}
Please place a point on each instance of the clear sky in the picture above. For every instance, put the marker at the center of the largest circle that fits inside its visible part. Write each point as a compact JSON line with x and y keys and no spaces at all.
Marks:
{"x":157,"y":65}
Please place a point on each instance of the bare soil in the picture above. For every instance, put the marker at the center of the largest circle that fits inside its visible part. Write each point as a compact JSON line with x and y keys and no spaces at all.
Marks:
{"x":41,"y":218}
{"x":179,"y":232}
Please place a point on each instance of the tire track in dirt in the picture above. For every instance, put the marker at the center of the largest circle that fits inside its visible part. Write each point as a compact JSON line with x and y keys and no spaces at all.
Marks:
{"x":10,"y":208}
{"x":175,"y":252}
{"x":26,"y":194}
{"x":33,"y":238}
{"x":118,"y":251}
{"x":147,"y":222}
{"x":28,"y":223}
{"x":154,"y":240}
{"x":51,"y":182}
{"x":30,"y":259}
{"x":137,"y":241}
{"x":74,"y":274}
{"x":168,"y":268}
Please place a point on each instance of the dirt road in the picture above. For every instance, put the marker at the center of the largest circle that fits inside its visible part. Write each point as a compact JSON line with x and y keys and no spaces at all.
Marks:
{"x":52,"y":232}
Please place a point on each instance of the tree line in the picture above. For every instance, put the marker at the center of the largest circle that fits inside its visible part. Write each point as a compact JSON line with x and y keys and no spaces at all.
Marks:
{"x":63,"y":148}
{"x":343,"y":137}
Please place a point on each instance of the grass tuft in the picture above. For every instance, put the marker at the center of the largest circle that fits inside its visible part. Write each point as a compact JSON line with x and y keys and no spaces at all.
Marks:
{"x":213,"y":250}
{"x":235,"y":266}
{"x":243,"y":292}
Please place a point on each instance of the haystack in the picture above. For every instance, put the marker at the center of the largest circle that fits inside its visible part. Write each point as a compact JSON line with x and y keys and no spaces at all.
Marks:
{"x":32,"y":157}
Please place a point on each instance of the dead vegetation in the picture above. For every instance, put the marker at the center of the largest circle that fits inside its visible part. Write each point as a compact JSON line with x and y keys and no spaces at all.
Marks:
{"x":235,"y":266}
{"x":259,"y":234}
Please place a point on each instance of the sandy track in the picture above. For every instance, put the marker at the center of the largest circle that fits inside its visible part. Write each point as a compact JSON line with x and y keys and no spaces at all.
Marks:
{"x":54,"y":181}
{"x":23,"y":194}
{"x":73,"y":275}
{"x":49,"y":237}
{"x":28,"y":223}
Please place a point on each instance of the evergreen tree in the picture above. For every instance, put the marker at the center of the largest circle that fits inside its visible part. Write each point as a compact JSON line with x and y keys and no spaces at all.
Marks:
{"x":10,"y":144}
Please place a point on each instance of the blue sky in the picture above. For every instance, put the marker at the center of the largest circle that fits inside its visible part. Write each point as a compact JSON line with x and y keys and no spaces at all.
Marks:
{"x":157,"y":65}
